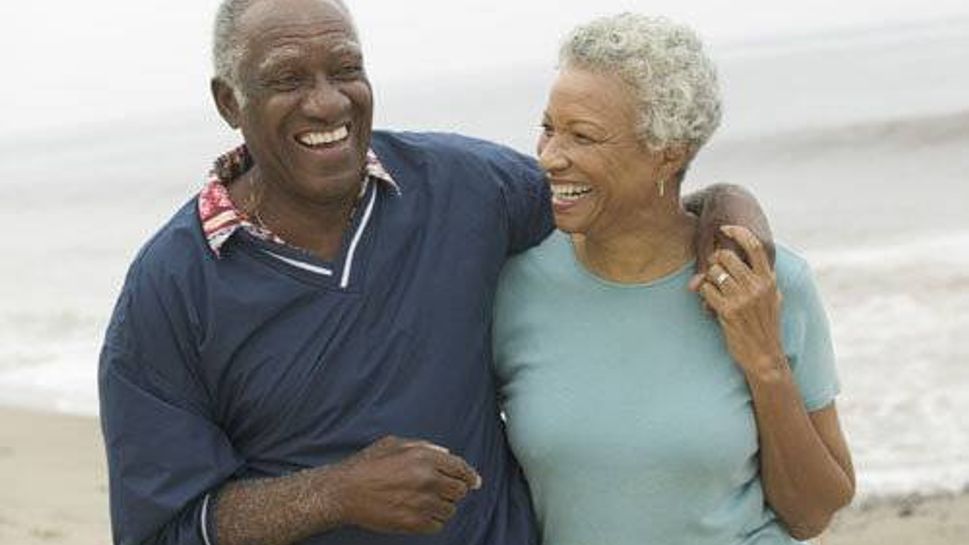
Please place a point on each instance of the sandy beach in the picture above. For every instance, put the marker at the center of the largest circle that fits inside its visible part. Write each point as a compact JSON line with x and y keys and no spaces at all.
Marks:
{"x":54,"y":480}
{"x":55,"y":491}
{"x":912,"y":520}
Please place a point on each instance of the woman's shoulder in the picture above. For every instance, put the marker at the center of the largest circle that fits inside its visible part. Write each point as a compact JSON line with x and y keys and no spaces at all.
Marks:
{"x":552,"y":254}
{"x":547,"y":263}
{"x":792,"y":269}
{"x":796,"y":282}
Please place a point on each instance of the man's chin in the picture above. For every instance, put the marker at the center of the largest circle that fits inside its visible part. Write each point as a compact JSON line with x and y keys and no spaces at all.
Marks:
{"x":332,"y":188}
{"x":347,"y":170}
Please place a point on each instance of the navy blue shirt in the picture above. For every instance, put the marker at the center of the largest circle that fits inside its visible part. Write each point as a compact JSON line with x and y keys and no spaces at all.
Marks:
{"x":256,"y":364}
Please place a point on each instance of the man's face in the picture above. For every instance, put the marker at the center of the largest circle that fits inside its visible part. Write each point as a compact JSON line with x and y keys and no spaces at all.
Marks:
{"x":308,"y":107}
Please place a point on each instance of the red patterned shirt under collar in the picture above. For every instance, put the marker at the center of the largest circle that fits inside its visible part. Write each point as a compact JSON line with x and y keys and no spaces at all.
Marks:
{"x":221,"y":218}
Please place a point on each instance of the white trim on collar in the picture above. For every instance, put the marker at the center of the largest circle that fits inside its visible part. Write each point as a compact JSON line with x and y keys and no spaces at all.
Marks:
{"x":348,"y":263}
{"x":301,"y":264}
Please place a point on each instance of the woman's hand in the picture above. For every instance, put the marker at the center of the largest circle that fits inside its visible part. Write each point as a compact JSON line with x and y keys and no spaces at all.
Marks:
{"x":747,"y":303}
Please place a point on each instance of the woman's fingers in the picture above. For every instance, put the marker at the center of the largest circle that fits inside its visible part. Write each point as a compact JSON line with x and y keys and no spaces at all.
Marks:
{"x":713,"y":297}
{"x":752,"y":245}
{"x":722,"y":280}
{"x":730,"y":285}
{"x":735,"y":267}
{"x":696,"y":281}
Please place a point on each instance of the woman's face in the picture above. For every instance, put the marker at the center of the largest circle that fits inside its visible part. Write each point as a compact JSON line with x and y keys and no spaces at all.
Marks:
{"x":602,"y":177}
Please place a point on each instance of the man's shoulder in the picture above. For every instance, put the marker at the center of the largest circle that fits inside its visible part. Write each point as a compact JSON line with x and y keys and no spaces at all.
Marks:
{"x":178,"y":245}
{"x":433,"y":146}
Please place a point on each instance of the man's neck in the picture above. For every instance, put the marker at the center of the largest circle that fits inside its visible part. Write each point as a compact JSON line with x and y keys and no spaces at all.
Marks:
{"x":316,"y":227}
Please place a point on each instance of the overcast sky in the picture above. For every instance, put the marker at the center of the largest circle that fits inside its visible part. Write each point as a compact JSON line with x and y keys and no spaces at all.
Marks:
{"x":70,"y":62}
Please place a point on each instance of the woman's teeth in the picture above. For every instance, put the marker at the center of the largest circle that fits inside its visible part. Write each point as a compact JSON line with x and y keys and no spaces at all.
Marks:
{"x":570,"y":192}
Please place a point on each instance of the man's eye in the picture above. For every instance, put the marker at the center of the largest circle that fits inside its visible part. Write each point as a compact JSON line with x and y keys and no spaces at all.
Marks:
{"x":584,"y":139}
{"x":547,"y":130}
{"x":287,"y":82}
{"x":350,"y":71}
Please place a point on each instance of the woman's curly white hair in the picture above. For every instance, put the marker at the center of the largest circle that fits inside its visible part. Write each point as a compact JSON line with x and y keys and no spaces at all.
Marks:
{"x":674,"y":81}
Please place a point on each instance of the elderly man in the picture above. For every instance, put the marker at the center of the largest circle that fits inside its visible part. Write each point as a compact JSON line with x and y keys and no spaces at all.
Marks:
{"x":328,"y":291}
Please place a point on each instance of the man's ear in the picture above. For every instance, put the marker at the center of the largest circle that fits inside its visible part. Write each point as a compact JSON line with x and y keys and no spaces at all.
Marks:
{"x":226,"y":101}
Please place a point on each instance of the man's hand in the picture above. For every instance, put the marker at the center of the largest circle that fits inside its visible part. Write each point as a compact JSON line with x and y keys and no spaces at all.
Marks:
{"x":403,"y":486}
{"x":725,"y":204}
{"x":393,"y":486}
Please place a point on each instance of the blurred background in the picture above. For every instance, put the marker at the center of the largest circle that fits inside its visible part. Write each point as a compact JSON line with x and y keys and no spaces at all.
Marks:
{"x":848,"y":118}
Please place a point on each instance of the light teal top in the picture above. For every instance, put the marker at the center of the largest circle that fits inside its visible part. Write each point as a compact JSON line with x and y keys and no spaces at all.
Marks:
{"x":632,"y":423}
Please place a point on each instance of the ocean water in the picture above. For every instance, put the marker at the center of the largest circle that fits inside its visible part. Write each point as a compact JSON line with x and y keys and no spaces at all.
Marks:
{"x":857,"y":145}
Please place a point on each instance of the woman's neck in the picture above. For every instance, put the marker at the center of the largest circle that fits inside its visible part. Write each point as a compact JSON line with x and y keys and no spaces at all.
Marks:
{"x":654,"y":247}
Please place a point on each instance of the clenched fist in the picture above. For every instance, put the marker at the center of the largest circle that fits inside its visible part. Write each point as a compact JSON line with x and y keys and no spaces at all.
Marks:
{"x":403,"y":486}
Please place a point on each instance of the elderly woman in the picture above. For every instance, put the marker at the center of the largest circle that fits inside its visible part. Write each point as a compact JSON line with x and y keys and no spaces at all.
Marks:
{"x":637,"y":416}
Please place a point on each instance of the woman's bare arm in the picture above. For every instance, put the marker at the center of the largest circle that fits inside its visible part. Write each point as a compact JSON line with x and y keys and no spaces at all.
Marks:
{"x":805,"y":464}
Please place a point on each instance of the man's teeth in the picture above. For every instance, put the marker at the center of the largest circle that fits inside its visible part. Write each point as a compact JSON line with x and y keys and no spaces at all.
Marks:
{"x":570,"y":192}
{"x":323,"y":138}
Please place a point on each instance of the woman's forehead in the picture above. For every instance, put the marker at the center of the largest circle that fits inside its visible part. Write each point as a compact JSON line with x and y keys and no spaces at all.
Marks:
{"x":586,"y":92}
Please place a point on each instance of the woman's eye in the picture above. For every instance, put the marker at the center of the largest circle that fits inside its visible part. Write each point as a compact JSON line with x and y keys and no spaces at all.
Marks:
{"x":584,"y":139}
{"x":546,"y":129}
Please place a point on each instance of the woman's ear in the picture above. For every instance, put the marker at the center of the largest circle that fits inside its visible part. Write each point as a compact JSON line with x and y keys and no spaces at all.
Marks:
{"x":675,"y":159}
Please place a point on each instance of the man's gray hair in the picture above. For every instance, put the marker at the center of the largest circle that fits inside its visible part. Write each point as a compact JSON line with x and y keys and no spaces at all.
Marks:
{"x":227,"y":49}
{"x":673,"y":80}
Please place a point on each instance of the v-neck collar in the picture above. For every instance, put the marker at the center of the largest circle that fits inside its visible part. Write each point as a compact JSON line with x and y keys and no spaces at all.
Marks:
{"x":221,"y":218}
{"x":344,"y":271}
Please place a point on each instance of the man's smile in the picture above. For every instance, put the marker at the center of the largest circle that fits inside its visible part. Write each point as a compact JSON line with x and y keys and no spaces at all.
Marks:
{"x":318,"y":139}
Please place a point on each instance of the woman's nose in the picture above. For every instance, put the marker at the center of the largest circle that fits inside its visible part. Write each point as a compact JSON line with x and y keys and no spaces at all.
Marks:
{"x":550,"y":155}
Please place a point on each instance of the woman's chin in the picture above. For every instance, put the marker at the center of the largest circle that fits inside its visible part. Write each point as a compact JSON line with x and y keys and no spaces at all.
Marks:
{"x":574,"y":217}
{"x":566,"y":226}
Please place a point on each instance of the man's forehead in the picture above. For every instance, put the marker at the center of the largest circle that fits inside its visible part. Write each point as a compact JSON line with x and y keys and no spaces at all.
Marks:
{"x":290,"y":53}
{"x":264,"y":16}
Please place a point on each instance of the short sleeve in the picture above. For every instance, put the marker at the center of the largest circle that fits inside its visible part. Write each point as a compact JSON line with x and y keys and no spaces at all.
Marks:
{"x":807,"y":338}
{"x":165,"y":453}
{"x":528,"y":203}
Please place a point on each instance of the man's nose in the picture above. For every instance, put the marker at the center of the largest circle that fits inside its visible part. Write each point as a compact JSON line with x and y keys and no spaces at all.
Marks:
{"x":324,"y":100}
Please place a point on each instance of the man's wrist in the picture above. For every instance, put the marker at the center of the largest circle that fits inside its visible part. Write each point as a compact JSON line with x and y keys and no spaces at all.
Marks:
{"x":328,"y":487}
